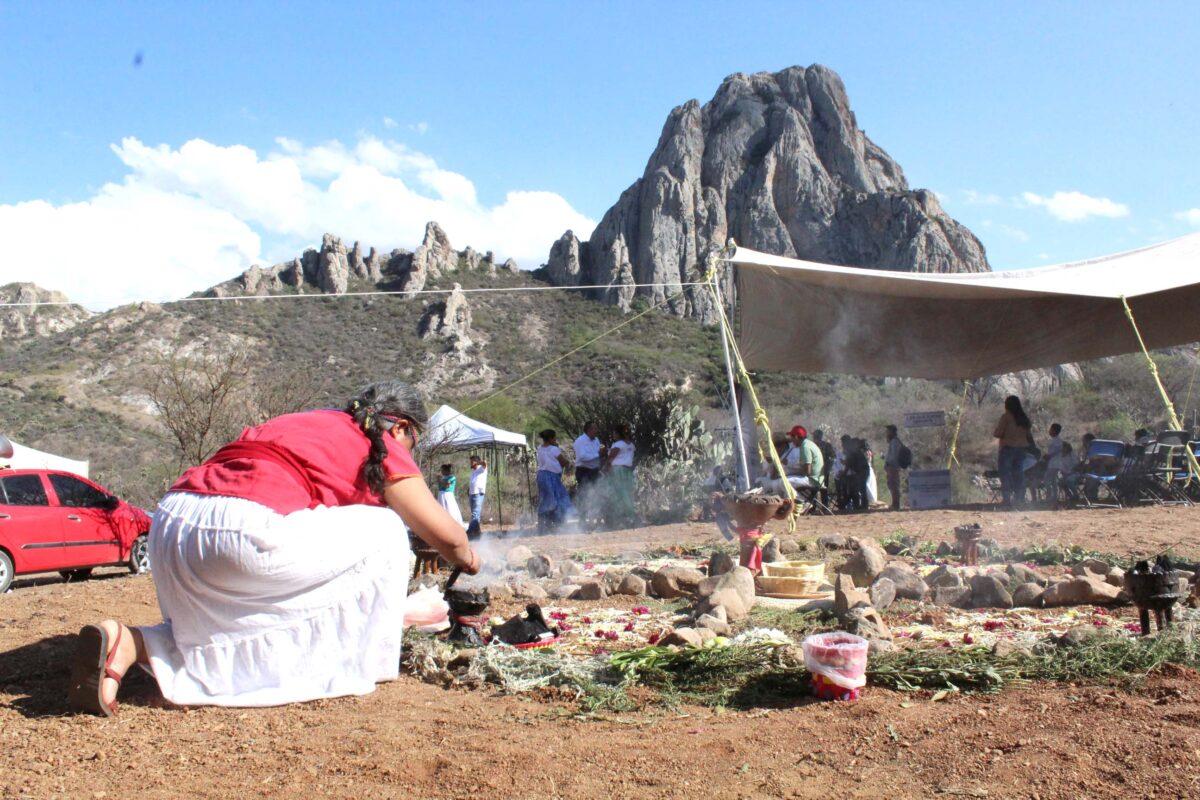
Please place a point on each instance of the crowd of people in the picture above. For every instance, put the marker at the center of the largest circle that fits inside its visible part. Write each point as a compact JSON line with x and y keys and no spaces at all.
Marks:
{"x":836,"y":478}
{"x":604,"y":480}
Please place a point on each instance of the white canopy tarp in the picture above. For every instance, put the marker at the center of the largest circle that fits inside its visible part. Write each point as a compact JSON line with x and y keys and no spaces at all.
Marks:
{"x":808,"y":317}
{"x":447,"y":427}
{"x":27,"y":458}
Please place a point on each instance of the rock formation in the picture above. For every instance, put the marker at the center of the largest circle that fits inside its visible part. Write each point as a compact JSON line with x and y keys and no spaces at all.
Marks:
{"x":333,"y":268}
{"x":777,"y":162}
{"x":31,"y":316}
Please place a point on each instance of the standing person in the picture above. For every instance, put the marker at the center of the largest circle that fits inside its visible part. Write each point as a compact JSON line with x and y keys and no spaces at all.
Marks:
{"x":621,"y":479}
{"x":1013,"y":434}
{"x":892,"y":465}
{"x":829,"y":457}
{"x":476,"y":489}
{"x":554,"y":504}
{"x":589,"y":455}
{"x":281,"y":564}
{"x":870,"y":485}
{"x":447,"y":485}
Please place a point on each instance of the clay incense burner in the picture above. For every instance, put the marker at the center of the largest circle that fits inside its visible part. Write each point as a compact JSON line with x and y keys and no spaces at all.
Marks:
{"x":751,"y":510}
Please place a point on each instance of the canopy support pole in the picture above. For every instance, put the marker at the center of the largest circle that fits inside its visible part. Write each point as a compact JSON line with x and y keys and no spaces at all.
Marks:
{"x":962,"y":409}
{"x":743,"y":482}
{"x":1193,"y":466}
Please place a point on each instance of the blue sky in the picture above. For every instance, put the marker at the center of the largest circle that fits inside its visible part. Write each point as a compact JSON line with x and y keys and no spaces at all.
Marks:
{"x":151,"y":149}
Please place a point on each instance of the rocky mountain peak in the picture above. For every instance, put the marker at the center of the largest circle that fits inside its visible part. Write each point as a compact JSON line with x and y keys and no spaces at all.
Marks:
{"x":777,"y":162}
{"x":36,"y":311}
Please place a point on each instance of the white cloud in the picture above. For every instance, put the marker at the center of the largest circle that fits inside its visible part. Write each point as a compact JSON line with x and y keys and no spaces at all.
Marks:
{"x":390,"y":123}
{"x":1077,"y":206}
{"x":975,"y":198}
{"x":1191,"y":216}
{"x":421,"y":127}
{"x":184,"y":219}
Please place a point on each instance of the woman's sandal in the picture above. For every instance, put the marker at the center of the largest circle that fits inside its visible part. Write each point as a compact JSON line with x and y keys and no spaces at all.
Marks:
{"x":93,"y":663}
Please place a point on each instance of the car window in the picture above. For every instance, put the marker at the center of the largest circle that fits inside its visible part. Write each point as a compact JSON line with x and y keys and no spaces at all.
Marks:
{"x":24,"y":490}
{"x":77,"y":494}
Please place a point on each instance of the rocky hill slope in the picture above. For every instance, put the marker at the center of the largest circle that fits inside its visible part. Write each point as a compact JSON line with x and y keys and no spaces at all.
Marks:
{"x":777,"y":162}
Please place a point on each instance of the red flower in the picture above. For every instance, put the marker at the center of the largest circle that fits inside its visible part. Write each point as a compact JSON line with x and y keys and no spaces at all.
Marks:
{"x":559,"y":615}
{"x":993,"y":624}
{"x":1101,"y":623}
{"x":600,"y":634}
{"x":629,"y":626}
{"x":589,"y":565}
{"x":586,"y":620}
{"x":653,"y":638}
{"x":564,"y":627}
{"x":640,"y":610}
{"x":968,"y":639}
{"x":612,"y":635}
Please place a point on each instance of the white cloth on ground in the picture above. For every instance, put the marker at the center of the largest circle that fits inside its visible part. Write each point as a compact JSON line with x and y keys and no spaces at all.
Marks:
{"x":262,"y":608}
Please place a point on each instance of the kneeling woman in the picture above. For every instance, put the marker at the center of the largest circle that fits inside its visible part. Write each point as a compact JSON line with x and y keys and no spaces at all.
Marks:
{"x":282,"y":564}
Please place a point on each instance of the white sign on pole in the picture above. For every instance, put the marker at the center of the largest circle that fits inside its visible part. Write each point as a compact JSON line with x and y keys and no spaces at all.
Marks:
{"x":929,"y":488}
{"x":925,"y":419}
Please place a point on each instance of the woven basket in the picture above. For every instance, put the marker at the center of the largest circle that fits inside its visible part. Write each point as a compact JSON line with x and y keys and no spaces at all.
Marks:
{"x":787,"y":586}
{"x":810,"y":570}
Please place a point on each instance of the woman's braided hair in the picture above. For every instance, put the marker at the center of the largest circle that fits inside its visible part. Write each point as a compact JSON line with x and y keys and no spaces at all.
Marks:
{"x":370,"y":407}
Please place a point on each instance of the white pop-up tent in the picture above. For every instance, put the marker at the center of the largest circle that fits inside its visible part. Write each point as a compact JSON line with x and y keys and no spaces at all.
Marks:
{"x":18,"y":456}
{"x":810,"y":317}
{"x":449,"y":428}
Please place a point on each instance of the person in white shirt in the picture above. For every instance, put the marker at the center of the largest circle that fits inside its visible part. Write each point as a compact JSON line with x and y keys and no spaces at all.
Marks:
{"x":476,"y":489}
{"x":589,"y":457}
{"x":554,"y":504}
{"x":621,"y":479}
{"x":891,"y":465}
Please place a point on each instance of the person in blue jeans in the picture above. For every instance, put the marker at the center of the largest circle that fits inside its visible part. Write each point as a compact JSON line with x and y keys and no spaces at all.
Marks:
{"x":476,"y":489}
{"x":1014,"y":435}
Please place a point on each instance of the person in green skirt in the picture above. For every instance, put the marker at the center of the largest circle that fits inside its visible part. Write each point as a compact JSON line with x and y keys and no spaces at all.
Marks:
{"x":621,"y":479}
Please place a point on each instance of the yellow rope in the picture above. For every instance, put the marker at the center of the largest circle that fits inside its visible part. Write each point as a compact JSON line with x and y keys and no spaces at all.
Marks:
{"x":962,"y":409}
{"x":1194,"y":467}
{"x":760,"y":414}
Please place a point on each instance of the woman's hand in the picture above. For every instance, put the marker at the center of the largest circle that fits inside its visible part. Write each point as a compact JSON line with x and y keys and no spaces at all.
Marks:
{"x":473,"y":564}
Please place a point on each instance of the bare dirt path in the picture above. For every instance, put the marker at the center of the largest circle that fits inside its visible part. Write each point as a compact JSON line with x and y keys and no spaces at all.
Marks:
{"x":410,"y":739}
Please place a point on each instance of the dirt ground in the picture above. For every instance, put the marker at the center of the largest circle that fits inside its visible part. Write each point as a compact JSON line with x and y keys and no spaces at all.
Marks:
{"x":410,"y":739}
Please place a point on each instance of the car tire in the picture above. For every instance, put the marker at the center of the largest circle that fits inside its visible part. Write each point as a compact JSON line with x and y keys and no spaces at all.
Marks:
{"x":72,"y":575}
{"x":6,"y":572}
{"x":139,"y":556}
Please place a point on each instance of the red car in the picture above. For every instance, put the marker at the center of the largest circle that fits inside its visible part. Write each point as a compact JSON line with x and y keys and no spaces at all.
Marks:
{"x":56,"y":521}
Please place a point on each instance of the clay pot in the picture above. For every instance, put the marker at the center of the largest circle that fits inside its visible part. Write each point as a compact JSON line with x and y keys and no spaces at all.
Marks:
{"x":751,"y":511}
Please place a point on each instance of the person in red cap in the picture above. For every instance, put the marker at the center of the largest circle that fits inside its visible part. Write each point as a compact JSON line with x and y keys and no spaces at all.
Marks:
{"x":803,"y":464}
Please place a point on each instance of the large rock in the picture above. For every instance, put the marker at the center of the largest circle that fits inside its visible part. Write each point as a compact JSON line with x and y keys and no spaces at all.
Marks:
{"x":36,"y":312}
{"x":1080,"y":591}
{"x":770,"y":553}
{"x":518,"y":556}
{"x":728,"y":599}
{"x":719,"y":563}
{"x":1028,"y":595}
{"x":945,"y":576}
{"x":988,"y":591}
{"x":957,"y":596}
{"x":739,"y":579}
{"x":864,"y":565}
{"x":788,"y":546}
{"x":717,"y":626}
{"x":683,"y":637}
{"x":564,"y":591}
{"x":847,"y":596}
{"x":909,"y":585}
{"x":671,"y":582}
{"x":831,"y":541}
{"x":591,"y":590}
{"x":883,"y":593}
{"x":539,"y":566}
{"x":528,"y":590}
{"x":865,"y":621}
{"x":1025,"y":574}
{"x":632,"y":585}
{"x":776,"y":161}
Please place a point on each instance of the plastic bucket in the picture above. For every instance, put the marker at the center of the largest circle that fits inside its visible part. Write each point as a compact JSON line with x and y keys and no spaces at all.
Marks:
{"x":838,"y":664}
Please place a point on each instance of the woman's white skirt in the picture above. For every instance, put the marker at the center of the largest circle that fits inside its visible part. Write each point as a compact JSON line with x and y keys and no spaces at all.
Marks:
{"x":450,"y":503}
{"x":262,"y":608}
